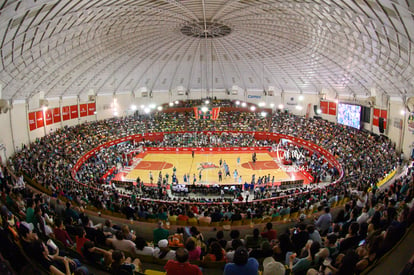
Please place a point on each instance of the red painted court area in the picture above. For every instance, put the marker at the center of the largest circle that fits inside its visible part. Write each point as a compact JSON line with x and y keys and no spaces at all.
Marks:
{"x":260,"y":165}
{"x":153,"y":165}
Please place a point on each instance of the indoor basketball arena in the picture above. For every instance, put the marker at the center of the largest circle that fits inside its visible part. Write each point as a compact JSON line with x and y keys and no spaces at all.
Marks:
{"x":207,"y":137}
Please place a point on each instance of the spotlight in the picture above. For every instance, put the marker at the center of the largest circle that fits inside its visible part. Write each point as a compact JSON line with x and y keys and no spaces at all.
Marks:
{"x":262,"y":104}
{"x":159,"y":108}
{"x":264,"y":114}
{"x":298,"y":107}
{"x":204,"y":109}
{"x":281,"y":106}
{"x":207,"y":102}
{"x":133,"y":107}
{"x":237,"y":102}
{"x":147,"y":110}
{"x":171,"y":104}
{"x":319,"y":111}
{"x":253,"y":108}
{"x":301,"y":97}
{"x":243,"y":104}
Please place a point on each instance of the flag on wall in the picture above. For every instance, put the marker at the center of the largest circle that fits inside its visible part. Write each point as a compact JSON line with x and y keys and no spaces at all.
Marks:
{"x":65,"y":113}
{"x":91,"y":109}
{"x":74,"y":111}
{"x":39,"y":119}
{"x":48,"y":116}
{"x":32,"y":121}
{"x":56,"y":115}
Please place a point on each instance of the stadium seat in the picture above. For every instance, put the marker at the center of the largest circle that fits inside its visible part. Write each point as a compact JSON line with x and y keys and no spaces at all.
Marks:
{"x":154,"y":272}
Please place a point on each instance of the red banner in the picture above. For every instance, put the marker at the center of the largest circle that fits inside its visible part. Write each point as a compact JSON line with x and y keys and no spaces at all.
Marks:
{"x":65,"y":113}
{"x":39,"y":119}
{"x":56,"y":115}
{"x":74,"y":111}
{"x":377,"y":114}
{"x":332,"y":108}
{"x":216,"y":112}
{"x":32,"y":121}
{"x":48,"y":117}
{"x":83,"y":110}
{"x":375,"y":119}
{"x":91,"y":109}
{"x":324,"y":107}
{"x":383,"y":114}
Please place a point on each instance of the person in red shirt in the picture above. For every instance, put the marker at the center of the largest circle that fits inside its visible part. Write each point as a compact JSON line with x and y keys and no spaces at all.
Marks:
{"x":181,"y":265}
{"x":269,"y":233}
{"x":61,"y":234}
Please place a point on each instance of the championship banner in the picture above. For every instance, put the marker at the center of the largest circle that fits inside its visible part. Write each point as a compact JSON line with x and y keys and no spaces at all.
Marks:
{"x":83,"y":110}
{"x":32,"y":121}
{"x":48,"y":117}
{"x":74,"y":111}
{"x":324,"y":107}
{"x":375,"y":119}
{"x":91,"y":109}
{"x":56,"y":115}
{"x":65,"y":113}
{"x":196,"y":112}
{"x":39,"y":119}
{"x":332,"y":108}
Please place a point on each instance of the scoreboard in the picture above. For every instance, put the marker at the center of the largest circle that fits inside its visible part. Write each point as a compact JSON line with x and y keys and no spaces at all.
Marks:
{"x":204,"y":112}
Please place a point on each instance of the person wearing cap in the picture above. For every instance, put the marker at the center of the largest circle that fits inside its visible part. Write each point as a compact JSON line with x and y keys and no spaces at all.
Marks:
{"x":160,"y":233}
{"x":163,"y":251}
{"x":27,"y":236}
{"x":242,"y":264}
{"x":181,"y":264}
{"x":272,"y":267}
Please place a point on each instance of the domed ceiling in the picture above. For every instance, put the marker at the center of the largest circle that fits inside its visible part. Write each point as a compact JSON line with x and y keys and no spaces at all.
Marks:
{"x":70,"y":48}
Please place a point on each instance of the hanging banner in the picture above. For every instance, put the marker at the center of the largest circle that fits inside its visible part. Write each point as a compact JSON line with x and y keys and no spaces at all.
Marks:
{"x":383,"y":114}
{"x":39,"y":119}
{"x":324,"y":107}
{"x":65,"y":113}
{"x":332,"y":108}
{"x":74,"y":111}
{"x":375,"y":119}
{"x":91,"y":109}
{"x":48,"y":117}
{"x":56,"y":115}
{"x":83,"y":110}
{"x":410,"y":123}
{"x":32,"y":121}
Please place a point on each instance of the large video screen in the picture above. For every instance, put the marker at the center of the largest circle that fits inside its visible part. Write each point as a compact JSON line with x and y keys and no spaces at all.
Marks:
{"x":349,"y":115}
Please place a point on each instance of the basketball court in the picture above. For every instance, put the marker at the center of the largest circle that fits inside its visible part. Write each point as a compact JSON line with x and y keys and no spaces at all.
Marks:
{"x":208,"y":165}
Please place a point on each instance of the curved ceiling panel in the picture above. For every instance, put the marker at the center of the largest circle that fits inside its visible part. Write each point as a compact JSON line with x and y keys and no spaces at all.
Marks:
{"x":67,"y":48}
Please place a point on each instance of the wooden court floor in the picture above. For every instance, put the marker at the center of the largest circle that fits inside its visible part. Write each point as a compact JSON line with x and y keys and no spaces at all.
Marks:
{"x":208,"y":165}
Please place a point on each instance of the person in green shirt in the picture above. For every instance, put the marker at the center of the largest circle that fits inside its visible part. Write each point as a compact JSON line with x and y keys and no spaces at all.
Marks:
{"x":160,"y":233}
{"x":30,"y":211}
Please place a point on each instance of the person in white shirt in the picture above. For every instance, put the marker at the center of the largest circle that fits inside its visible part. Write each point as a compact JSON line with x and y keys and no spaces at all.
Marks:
{"x":364,"y":216}
{"x":163,"y":251}
{"x":362,"y":199}
{"x":142,"y":248}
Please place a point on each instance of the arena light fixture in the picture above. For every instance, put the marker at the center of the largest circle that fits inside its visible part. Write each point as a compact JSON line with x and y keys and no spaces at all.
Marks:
{"x":115,"y":113}
{"x":152,"y":106}
{"x":281,"y":106}
{"x":204,"y":109}
{"x":207,"y":102}
{"x":44,"y":108}
{"x":133,"y":107}
{"x":243,"y":104}
{"x":147,"y":110}
{"x":252,"y":108}
{"x":301,"y":97}
{"x":298,"y":107}
{"x":142,"y":106}
{"x":264,"y":114}
{"x":237,"y":102}
{"x":261,"y":104}
{"x":319,"y":111}
{"x":159,"y":108}
{"x":272,"y":105}
{"x":171,"y":104}
{"x":402,"y":112}
{"x":176,"y":102}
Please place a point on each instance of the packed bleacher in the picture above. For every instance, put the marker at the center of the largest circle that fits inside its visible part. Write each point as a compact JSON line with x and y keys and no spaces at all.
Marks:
{"x":343,"y":228}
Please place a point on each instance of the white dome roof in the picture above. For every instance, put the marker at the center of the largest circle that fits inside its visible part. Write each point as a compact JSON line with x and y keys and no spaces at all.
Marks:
{"x":68,"y":48}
